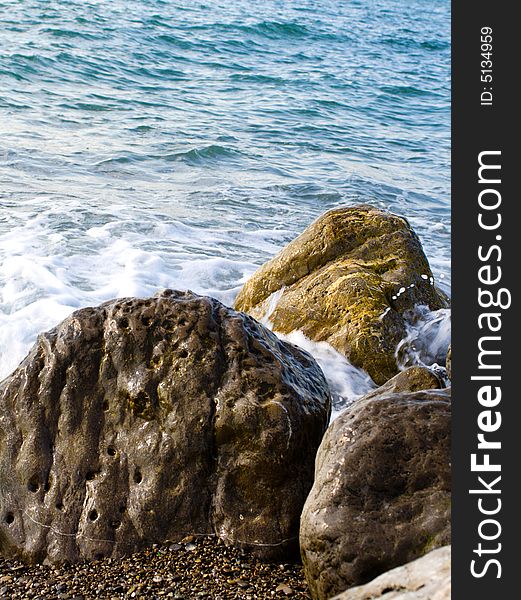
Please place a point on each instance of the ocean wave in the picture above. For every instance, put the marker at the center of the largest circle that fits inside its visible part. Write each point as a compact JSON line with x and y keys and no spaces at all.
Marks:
{"x":406,"y":90}
{"x":411,"y":43}
{"x":204,"y":155}
{"x":178,"y":42}
{"x":72,"y":33}
{"x":182,"y":146}
{"x":283,"y":30}
{"x":207,"y":154}
{"x":268,"y":29}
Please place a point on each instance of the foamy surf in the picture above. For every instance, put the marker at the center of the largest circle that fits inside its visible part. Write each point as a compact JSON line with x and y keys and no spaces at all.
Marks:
{"x":346,"y":382}
{"x":46,"y":273}
{"x":48,"y":270}
{"x":54,"y":263}
{"x":425,"y":344}
{"x":427,"y":339}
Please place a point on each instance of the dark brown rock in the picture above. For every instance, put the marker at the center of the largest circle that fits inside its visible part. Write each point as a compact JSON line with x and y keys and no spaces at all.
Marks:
{"x":381,"y":495}
{"x":142,"y":421}
{"x":448,"y":362}
{"x":347,"y":279}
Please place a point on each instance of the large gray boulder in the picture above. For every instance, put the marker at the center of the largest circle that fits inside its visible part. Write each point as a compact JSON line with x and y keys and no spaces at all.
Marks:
{"x":142,"y":421}
{"x":426,"y":578}
{"x":381,"y":495}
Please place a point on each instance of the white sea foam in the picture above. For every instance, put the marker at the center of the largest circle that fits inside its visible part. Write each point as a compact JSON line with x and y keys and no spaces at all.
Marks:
{"x":48,"y":269}
{"x":346,"y":382}
{"x":53,"y":264}
{"x":425,"y":344}
{"x":427,"y":339}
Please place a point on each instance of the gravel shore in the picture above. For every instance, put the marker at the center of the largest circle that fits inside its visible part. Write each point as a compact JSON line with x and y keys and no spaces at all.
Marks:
{"x":194,"y":568}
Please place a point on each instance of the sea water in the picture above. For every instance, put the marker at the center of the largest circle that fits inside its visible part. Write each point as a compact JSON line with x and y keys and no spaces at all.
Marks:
{"x":147,"y":144}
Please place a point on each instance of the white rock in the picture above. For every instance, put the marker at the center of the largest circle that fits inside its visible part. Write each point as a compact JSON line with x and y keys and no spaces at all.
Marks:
{"x":426,"y":578}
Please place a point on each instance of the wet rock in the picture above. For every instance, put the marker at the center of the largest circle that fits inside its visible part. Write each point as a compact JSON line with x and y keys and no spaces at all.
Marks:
{"x":411,"y":380}
{"x":381,"y":495}
{"x":142,"y":421}
{"x":348,"y":280}
{"x":448,"y":363}
{"x":426,"y":578}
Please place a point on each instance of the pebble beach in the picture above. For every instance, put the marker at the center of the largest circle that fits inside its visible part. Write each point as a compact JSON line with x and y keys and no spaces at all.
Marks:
{"x":194,"y":568}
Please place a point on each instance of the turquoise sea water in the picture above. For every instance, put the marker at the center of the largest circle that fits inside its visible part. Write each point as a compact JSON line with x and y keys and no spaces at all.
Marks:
{"x":148,"y":143}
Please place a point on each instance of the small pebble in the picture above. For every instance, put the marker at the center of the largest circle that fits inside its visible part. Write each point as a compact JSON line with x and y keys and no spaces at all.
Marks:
{"x":285,"y":589}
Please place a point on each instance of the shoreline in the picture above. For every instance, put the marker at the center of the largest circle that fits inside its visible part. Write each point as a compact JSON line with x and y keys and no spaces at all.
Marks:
{"x":196,"y":417}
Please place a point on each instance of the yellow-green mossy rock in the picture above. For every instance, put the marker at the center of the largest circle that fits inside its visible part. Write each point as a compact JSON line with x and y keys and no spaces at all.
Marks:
{"x":347,"y":280}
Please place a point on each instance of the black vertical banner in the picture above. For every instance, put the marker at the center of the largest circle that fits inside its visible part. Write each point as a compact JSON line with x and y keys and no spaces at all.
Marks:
{"x":486,"y":329}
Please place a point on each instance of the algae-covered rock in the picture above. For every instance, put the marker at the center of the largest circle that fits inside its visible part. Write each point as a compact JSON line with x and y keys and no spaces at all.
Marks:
{"x":382,"y":491}
{"x":142,"y":421}
{"x":426,"y":578}
{"x":347,"y":279}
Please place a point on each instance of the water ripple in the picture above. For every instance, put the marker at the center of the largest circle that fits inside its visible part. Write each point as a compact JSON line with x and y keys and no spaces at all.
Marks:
{"x":146,"y":144}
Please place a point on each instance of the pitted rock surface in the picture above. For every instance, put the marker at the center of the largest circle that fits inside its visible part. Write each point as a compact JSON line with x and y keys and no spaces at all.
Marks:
{"x":142,"y":421}
{"x":349,"y":279}
{"x":382,"y":491}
